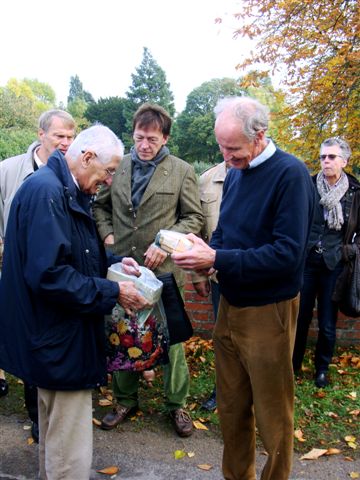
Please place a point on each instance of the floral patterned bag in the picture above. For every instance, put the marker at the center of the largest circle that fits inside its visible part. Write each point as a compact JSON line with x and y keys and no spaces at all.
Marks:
{"x":136,"y":343}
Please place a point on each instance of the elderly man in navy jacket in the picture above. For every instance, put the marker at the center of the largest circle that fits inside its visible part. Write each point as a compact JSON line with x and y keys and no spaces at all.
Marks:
{"x":54,"y":295}
{"x":258,"y":250}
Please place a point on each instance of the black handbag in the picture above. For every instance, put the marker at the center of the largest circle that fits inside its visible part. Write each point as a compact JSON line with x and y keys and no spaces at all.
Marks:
{"x":179,"y":324}
{"x":347,"y":289}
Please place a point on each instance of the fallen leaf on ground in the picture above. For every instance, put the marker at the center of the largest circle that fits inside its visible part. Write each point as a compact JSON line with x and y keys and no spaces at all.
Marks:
{"x":109,"y":470}
{"x":205,"y":466}
{"x":314,"y":454}
{"x":355,"y":412}
{"x":30,"y":441}
{"x":333,"y":451}
{"x":203,"y":420}
{"x":354,"y":475}
{"x":332,"y":414}
{"x":349,"y":459}
{"x":299,"y":435}
{"x":351,"y":441}
{"x":26,"y":427}
{"x":352,"y":396}
{"x":104,"y":402}
{"x":96,"y":422}
{"x":200,"y":426}
{"x":191,"y":454}
{"x":179,"y":454}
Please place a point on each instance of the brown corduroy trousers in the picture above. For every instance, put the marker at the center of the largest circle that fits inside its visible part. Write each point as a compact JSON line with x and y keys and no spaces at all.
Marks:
{"x":255,"y":386}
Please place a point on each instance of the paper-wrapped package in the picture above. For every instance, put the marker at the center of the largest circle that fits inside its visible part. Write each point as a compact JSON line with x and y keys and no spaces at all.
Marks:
{"x":147,"y":284}
{"x":171,"y":241}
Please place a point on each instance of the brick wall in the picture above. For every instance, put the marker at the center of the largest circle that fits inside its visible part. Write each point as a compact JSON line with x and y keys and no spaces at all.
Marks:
{"x":201,"y":314}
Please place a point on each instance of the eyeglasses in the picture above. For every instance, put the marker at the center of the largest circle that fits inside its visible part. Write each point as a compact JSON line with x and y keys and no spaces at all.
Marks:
{"x":331,"y":156}
{"x":109,"y":172}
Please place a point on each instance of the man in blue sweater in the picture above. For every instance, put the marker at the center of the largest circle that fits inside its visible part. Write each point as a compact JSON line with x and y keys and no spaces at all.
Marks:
{"x":258,"y":249}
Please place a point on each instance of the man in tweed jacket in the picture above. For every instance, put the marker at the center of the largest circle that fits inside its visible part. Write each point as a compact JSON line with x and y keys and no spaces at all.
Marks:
{"x":151,"y":190}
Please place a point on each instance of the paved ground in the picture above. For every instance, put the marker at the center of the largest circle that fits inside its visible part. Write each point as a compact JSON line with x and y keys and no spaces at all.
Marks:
{"x":146,"y":452}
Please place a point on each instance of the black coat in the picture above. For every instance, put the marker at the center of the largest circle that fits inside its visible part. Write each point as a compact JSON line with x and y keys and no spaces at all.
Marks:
{"x":53,"y":294}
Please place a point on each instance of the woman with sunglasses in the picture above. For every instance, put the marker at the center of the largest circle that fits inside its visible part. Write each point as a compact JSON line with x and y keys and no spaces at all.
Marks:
{"x":336,"y":218}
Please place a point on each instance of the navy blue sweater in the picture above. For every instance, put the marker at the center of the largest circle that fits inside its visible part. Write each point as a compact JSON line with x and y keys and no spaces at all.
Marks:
{"x":263,"y":229}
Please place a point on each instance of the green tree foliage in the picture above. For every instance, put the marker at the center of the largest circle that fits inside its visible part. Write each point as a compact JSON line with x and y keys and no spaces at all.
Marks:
{"x":78,"y":101}
{"x":110,"y":112}
{"x":40,"y":94}
{"x":194,"y":132}
{"x":14,"y":141}
{"x":16,"y":111}
{"x":21,"y":104}
{"x":316,"y":47}
{"x":76,"y":91}
{"x":148,"y":85}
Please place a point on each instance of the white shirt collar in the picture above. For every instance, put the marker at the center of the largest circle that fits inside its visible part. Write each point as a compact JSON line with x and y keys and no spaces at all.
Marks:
{"x":264,"y":155}
{"x":75,"y":181}
{"x":38,"y":162}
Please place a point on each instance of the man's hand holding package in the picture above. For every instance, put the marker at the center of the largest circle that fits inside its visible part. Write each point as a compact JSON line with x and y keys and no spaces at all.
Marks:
{"x":200,"y":257}
{"x":130,"y":266}
{"x":130,"y":298}
{"x":154,"y":257}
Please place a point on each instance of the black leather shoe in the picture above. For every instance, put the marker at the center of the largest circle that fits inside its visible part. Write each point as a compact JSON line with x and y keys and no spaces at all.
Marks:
{"x":321,"y":380}
{"x":4,"y":387}
{"x":35,"y":432}
{"x":210,"y":403}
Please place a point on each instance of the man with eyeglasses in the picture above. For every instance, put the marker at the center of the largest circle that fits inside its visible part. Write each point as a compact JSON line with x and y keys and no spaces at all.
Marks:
{"x":56,"y":131}
{"x":54,"y":295}
{"x":151,"y":190}
{"x":335,"y":223}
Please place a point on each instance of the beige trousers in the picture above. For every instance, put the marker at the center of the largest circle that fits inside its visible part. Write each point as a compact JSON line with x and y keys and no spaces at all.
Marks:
{"x":65,"y":425}
{"x":253,"y":352}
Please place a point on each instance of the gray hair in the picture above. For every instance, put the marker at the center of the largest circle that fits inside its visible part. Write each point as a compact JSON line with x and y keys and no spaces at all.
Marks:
{"x":46,"y":119}
{"x":341,"y":143}
{"x":101,"y":140}
{"x":253,"y":115}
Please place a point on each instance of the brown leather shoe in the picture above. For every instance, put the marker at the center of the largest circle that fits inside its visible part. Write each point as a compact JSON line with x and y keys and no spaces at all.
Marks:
{"x":182,"y":422}
{"x":116,"y":416}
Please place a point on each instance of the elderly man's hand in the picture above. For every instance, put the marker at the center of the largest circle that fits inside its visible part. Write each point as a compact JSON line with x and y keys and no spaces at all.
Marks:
{"x":199,"y":257}
{"x":154,"y":257}
{"x":109,"y":240}
{"x":130,"y":298}
{"x":130,"y":266}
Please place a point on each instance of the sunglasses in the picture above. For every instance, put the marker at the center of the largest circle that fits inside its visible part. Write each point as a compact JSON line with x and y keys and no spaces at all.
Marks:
{"x":331,"y":156}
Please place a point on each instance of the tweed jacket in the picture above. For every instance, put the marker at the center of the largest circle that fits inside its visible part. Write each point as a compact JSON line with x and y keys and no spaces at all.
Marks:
{"x":171,"y":201}
{"x":13,"y":171}
{"x":211,"y":186}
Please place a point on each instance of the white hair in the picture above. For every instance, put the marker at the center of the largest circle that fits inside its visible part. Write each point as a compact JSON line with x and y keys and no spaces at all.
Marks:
{"x":99,"y":139}
{"x":253,"y":115}
{"x":341,"y":143}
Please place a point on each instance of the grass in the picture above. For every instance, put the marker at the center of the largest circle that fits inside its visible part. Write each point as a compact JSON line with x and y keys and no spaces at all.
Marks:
{"x":324,"y":418}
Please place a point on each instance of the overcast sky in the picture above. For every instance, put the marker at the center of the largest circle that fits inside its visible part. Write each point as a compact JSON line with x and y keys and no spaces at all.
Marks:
{"x":102,"y":42}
